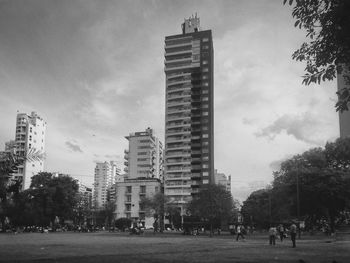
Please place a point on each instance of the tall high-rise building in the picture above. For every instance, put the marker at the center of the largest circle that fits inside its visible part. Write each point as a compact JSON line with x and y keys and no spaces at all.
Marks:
{"x":144,"y":158}
{"x":29,"y":140}
{"x":106,"y":174}
{"x":189,"y":112}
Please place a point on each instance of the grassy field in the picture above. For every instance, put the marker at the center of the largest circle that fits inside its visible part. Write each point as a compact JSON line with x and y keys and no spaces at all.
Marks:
{"x":167,"y":247}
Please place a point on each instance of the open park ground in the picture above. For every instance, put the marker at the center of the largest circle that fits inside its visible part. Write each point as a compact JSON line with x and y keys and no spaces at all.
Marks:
{"x":167,"y":247}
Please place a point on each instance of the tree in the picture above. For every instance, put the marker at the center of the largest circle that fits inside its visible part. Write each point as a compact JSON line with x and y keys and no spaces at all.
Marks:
{"x":257,"y":210}
{"x":52,"y":196}
{"x":324,"y":190}
{"x":156,"y":206}
{"x":327,"y":53}
{"x":9,"y":162}
{"x":213,"y":203}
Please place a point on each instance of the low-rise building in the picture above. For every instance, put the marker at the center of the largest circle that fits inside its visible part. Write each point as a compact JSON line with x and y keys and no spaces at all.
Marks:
{"x":129,"y":195}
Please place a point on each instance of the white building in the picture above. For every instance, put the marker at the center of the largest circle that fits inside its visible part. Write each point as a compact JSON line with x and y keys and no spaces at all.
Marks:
{"x":106,"y":174}
{"x":222,"y":179}
{"x":29,"y":140}
{"x":128,"y":196}
{"x":144,"y":158}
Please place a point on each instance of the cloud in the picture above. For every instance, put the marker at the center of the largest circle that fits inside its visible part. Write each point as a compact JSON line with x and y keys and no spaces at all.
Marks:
{"x":73,"y":147}
{"x":302,"y":127}
{"x":113,"y":156}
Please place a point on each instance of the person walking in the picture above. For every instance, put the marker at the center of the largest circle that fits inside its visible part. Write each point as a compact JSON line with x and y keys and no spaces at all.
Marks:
{"x":293,"y":233}
{"x":272,"y":235}
{"x":239,"y":231}
{"x":281,"y":232}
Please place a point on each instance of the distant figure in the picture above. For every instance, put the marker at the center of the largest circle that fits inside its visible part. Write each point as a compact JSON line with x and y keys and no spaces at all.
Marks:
{"x":272,"y":235}
{"x":281,"y":231}
{"x":293,"y":233}
{"x":239,"y":231}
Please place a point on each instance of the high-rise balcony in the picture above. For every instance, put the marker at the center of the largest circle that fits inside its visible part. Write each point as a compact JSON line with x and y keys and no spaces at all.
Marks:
{"x":182,"y":43}
{"x":181,"y":109}
{"x":187,"y":58}
{"x":175,"y":75}
{"x":179,"y":103}
{"x":177,"y":82}
{"x":178,"y":40}
{"x":177,"y":52}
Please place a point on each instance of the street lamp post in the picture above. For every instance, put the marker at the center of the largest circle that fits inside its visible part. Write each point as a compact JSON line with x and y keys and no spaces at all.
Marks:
{"x":298,"y":202}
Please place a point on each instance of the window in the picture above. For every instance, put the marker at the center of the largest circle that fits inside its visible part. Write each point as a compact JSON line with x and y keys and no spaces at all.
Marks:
{"x":128,"y":189}
{"x":205,"y":173}
{"x":205,"y":69}
{"x":206,"y":84}
{"x":30,"y":146}
{"x":205,"y":181}
{"x":205,"y":106}
{"x":205,"y":77}
{"x":205,"y":143}
{"x":205,"y":166}
{"x":205,"y":39}
{"x":142,"y":189}
{"x":128,"y":207}
{"x":30,"y":137}
{"x":141,"y":159}
{"x":128,"y":198}
{"x":205,"y":62}
{"x":205,"y":113}
{"x":142,"y":153}
{"x":205,"y":92}
{"x":143,"y":141}
{"x":205,"y":98}
{"x":143,"y":147}
{"x":205,"y":135}
{"x":205,"y":47}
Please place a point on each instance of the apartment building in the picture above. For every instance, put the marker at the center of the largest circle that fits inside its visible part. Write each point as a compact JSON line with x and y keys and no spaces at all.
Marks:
{"x":106,"y":174}
{"x":222,"y":179}
{"x":144,"y":158}
{"x":29,"y":141}
{"x":189,"y":112}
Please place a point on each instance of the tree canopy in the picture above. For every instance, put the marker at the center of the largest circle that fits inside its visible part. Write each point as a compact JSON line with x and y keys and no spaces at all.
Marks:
{"x":327,"y":51}
{"x":322,"y":178}
{"x":213,"y":203}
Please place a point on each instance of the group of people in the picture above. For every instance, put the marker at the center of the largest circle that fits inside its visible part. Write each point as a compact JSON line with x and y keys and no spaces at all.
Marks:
{"x":274,"y":232}
{"x":280,"y":231}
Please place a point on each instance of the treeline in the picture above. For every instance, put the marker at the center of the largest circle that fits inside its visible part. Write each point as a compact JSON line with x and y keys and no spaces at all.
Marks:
{"x":312,"y":187}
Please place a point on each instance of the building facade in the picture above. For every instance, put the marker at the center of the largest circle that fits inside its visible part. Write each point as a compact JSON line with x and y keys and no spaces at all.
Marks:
{"x":189,"y":112}
{"x":222,"y":179}
{"x":106,"y":174}
{"x":128,"y":197}
{"x":29,"y":141}
{"x":144,"y":158}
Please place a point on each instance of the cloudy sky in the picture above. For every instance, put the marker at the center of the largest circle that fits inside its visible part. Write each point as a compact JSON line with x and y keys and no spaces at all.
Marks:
{"x":94,"y":71}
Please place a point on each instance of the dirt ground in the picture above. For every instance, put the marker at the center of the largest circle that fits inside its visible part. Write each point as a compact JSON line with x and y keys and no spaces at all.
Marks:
{"x":168,"y":247}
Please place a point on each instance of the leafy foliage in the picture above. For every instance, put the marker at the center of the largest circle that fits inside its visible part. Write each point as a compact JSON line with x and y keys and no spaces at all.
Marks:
{"x":213,"y":203}
{"x":327,"y":53}
{"x":47,"y":197}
